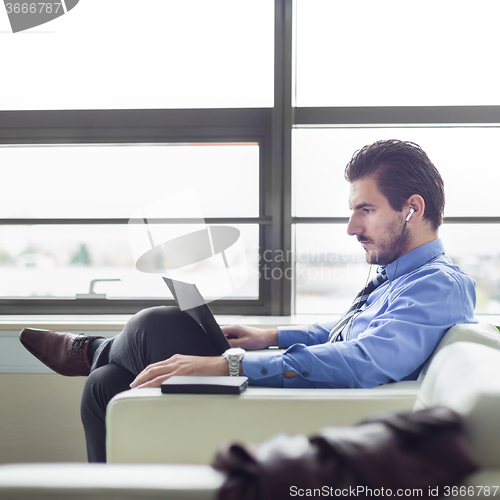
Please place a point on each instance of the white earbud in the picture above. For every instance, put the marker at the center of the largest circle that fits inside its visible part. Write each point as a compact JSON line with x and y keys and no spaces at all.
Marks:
{"x":410,"y":213}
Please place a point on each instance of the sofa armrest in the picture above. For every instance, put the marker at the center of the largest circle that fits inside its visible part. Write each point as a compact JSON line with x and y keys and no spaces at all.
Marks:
{"x":79,"y":481}
{"x":145,"y":426}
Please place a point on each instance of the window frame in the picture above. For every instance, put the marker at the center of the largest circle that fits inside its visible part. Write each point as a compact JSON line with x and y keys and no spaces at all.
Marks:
{"x":397,"y":116}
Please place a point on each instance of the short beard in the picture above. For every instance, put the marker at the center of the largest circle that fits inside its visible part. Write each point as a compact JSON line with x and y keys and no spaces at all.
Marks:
{"x":390,"y":250}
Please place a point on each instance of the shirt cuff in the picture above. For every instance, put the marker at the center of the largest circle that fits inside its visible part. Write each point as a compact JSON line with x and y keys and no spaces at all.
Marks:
{"x":263,"y":367}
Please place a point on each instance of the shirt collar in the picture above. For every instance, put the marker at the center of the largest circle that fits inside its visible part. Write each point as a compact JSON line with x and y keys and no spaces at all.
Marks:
{"x":414,"y":259}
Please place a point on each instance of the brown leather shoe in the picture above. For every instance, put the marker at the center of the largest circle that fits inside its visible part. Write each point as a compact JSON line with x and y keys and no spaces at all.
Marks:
{"x":65,"y":353}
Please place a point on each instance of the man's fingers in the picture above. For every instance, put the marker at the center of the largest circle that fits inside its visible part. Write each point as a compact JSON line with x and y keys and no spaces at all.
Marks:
{"x":232,"y":331}
{"x":179,"y":364}
{"x":234,"y":342}
{"x":156,"y":382}
{"x":151,"y":372}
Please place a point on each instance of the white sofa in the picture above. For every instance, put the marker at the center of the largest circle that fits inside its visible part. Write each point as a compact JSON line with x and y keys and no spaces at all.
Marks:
{"x":144,"y":426}
{"x":464,"y":376}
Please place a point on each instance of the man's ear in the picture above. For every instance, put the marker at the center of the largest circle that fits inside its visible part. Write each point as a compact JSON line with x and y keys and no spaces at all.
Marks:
{"x":414,"y":208}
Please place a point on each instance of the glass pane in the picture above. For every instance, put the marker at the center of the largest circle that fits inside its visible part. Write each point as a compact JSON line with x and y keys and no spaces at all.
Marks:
{"x":476,"y":249}
{"x":463,"y":155}
{"x":116,"y":181}
{"x":60,"y":262}
{"x":330,"y":268}
{"x":395,"y":53}
{"x":121,"y":54}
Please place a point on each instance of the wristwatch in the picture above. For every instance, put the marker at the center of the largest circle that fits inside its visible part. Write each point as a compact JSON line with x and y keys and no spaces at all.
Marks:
{"x":234,"y":356}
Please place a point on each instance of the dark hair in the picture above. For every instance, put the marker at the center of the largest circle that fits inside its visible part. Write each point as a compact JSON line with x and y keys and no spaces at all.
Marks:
{"x":400,"y":170}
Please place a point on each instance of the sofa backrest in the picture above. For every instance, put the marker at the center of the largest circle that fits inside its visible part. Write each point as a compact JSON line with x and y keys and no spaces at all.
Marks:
{"x":480,"y":333}
{"x":465,"y":376}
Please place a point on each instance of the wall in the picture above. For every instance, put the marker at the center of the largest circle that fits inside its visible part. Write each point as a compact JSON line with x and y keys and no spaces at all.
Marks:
{"x":40,"y":418}
{"x":40,"y":410}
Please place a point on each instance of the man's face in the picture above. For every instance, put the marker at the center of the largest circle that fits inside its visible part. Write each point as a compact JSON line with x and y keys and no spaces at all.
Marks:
{"x":377,"y":226}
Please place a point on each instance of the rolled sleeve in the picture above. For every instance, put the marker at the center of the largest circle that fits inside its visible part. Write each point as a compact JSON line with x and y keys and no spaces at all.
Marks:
{"x":305,"y":334}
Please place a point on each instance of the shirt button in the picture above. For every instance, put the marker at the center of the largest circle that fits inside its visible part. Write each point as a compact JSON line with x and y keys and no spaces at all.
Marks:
{"x":305,"y":374}
{"x":263,"y":371}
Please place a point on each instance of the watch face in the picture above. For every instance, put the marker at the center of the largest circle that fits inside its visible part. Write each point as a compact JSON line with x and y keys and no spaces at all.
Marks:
{"x":235,"y":351}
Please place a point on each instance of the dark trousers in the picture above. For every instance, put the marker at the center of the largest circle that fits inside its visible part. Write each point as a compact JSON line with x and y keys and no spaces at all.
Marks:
{"x":150,"y":336}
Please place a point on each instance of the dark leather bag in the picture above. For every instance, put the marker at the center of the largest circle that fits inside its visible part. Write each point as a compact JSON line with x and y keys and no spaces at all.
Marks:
{"x":421,"y":451}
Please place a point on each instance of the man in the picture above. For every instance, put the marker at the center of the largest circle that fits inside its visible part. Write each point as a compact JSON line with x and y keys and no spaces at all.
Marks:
{"x":397,"y":202}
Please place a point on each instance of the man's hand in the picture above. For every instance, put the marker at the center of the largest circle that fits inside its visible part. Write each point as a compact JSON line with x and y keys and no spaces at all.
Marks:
{"x":179,"y":364}
{"x":247,"y":337}
{"x":250,"y":337}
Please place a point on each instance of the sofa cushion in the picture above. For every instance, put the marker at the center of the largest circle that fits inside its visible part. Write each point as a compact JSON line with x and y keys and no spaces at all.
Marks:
{"x":480,"y":333}
{"x":466,"y":377}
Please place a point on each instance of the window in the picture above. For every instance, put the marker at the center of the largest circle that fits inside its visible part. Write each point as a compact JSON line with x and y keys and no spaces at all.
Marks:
{"x":88,"y":183}
{"x":158,"y":54}
{"x":327,"y":265}
{"x":256,"y":104}
{"x":118,"y":106}
{"x":365,"y":71}
{"x":395,"y":53}
{"x":67,"y":245}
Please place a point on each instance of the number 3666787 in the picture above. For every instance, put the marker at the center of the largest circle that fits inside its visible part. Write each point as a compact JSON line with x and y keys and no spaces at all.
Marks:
{"x":33,"y":8}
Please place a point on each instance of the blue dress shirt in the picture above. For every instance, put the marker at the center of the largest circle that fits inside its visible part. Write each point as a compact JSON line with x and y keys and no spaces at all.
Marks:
{"x":390,"y":339}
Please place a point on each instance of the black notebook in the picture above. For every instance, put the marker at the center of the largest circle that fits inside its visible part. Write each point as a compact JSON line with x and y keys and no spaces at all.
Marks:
{"x":204,"y":385}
